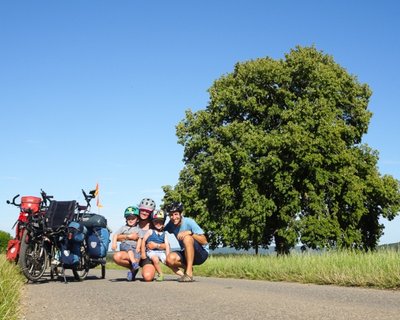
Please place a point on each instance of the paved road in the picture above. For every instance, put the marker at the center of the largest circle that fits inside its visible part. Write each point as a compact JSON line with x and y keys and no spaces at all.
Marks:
{"x":206,"y":298}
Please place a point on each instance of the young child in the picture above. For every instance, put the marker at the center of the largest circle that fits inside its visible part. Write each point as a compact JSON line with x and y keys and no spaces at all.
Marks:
{"x":131,"y":246}
{"x":158,"y":236}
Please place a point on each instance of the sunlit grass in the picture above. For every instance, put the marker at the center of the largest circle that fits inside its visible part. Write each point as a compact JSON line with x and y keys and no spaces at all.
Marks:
{"x":380,"y":269}
{"x":11,"y":282}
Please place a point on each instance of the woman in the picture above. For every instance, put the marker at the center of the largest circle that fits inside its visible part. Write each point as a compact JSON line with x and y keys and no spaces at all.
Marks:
{"x":146,"y":207}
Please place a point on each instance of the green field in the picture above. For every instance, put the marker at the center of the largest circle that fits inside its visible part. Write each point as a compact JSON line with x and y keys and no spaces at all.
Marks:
{"x":380,"y":269}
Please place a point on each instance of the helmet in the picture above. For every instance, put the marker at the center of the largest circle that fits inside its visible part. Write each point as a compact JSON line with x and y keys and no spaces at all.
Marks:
{"x":175,"y":207}
{"x":158,"y":215}
{"x":147,"y":204}
{"x":131,"y":211}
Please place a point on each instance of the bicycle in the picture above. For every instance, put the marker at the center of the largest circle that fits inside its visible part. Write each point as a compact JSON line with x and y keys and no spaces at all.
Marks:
{"x":90,"y":221}
{"x":27,"y":248}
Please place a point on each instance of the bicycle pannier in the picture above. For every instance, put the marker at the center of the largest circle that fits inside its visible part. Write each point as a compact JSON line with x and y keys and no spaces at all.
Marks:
{"x":13,"y":249}
{"x":98,"y":241}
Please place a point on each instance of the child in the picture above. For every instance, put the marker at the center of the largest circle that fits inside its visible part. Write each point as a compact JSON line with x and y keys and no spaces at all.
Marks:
{"x":127,"y":244}
{"x":158,"y":236}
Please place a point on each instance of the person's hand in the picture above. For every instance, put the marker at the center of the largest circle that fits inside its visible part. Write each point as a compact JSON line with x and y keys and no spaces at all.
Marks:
{"x":151,"y":246}
{"x":114,"y":247}
{"x":183,"y":234}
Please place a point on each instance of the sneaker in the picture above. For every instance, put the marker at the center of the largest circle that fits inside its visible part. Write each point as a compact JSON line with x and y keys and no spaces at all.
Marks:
{"x":185,"y":278}
{"x":129,"y":276}
{"x":160,"y":278}
{"x":135,"y":266}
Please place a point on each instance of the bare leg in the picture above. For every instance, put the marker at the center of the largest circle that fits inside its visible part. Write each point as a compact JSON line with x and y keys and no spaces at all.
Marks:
{"x":188,"y":243}
{"x":131,"y":256}
{"x":121,"y":258}
{"x":148,"y":272}
{"x":156,"y":263}
{"x":173,"y":261}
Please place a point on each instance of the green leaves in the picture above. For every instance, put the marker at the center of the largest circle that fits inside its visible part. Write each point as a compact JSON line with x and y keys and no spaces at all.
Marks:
{"x":275,"y":157}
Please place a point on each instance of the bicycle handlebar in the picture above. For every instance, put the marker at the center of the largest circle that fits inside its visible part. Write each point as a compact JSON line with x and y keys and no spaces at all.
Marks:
{"x":89,"y":197}
{"x":45,"y":197}
{"x":13,"y":201}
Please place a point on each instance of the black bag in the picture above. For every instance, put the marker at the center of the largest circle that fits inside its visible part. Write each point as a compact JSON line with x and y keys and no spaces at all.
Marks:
{"x":93,"y":220}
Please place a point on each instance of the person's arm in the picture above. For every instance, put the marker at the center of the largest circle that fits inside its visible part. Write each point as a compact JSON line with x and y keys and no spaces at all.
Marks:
{"x":143,"y":244}
{"x":139,"y":245}
{"x":114,"y":242}
{"x":167,"y":247}
{"x":124,"y":237}
{"x":200,"y":238}
{"x":155,"y":246}
{"x":195,"y":231}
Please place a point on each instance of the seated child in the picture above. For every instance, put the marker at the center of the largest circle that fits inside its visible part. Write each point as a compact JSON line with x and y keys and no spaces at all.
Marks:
{"x":132,"y":247}
{"x":157,"y":235}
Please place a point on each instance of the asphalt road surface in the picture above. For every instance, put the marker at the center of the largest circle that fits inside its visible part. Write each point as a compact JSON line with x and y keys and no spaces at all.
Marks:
{"x":206,"y":298}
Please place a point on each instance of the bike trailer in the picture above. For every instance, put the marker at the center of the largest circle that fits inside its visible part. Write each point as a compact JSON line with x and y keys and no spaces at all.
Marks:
{"x":59,"y":213}
{"x":98,"y":242}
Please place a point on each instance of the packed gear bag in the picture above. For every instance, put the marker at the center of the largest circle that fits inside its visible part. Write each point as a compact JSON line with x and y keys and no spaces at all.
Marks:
{"x":98,"y":241}
{"x":59,"y":213}
{"x":71,"y":246}
{"x":70,"y":253}
{"x":76,"y":232}
{"x":13,"y":249}
{"x":93,"y":220}
{"x":30,"y":204}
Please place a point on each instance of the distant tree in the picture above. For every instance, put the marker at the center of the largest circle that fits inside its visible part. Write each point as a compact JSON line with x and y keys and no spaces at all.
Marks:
{"x":4,"y":237}
{"x":276,"y":156}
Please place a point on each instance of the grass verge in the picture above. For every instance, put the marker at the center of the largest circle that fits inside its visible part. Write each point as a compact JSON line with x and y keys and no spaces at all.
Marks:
{"x":380,"y":269}
{"x":11,"y":282}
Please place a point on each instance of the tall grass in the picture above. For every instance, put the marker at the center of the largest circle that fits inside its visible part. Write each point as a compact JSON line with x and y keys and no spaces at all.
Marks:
{"x":11,"y":282}
{"x":379,"y":269}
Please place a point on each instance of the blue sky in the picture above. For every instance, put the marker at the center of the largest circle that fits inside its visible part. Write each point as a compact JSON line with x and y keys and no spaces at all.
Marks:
{"x":91,"y":91}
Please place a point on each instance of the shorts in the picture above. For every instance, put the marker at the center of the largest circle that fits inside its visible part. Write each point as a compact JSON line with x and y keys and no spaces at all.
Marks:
{"x":143,"y":262}
{"x":159,"y":253}
{"x":127,"y":247}
{"x":200,"y":254}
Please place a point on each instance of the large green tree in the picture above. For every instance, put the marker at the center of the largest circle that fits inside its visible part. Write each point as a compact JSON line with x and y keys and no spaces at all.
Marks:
{"x":276,"y":157}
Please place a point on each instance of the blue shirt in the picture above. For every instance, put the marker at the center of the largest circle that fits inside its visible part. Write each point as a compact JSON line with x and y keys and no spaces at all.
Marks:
{"x":187,"y":224}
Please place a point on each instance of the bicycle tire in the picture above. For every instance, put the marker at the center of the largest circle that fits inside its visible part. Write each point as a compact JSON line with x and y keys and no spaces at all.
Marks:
{"x":32,"y":259}
{"x":103,"y":271}
{"x":81,"y":270}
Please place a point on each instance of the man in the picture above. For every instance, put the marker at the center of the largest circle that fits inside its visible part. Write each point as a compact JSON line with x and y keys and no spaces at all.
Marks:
{"x":193,"y":242}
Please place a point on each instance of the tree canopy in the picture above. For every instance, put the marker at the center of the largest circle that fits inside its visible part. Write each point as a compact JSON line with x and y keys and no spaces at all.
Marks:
{"x":277,"y":157}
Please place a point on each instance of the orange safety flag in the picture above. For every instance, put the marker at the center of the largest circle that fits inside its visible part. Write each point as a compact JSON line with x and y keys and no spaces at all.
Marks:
{"x":96,"y":194}
{"x":99,"y":205}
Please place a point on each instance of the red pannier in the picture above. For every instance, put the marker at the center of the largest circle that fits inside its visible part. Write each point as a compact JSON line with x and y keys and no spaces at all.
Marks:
{"x":30,"y":204}
{"x":13,"y":249}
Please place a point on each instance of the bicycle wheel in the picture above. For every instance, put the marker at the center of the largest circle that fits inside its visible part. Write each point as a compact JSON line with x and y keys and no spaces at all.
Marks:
{"x":103,"y":271}
{"x":33,"y":258}
{"x":81,"y":270}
